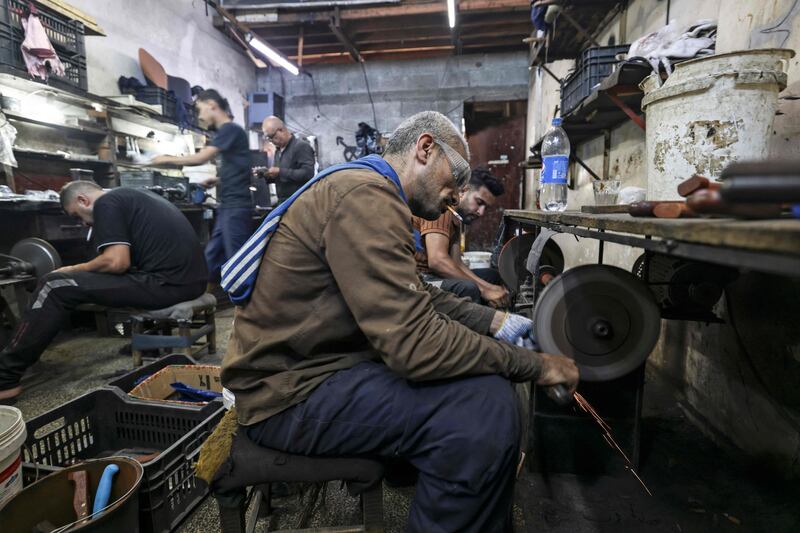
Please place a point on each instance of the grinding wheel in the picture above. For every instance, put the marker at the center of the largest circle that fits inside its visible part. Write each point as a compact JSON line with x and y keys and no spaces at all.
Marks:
{"x":601,"y":316}
{"x":39,"y":253}
{"x":513,"y":256}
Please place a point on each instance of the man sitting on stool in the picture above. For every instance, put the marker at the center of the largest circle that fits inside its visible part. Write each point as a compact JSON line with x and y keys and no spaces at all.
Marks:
{"x":149,"y":258}
{"x":439,"y":262}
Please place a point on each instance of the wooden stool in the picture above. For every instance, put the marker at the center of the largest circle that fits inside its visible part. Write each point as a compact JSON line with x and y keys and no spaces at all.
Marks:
{"x":194,"y":319}
{"x":250,"y":465}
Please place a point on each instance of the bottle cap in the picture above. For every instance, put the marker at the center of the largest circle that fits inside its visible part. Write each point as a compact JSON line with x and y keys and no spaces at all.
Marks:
{"x":556,"y":121}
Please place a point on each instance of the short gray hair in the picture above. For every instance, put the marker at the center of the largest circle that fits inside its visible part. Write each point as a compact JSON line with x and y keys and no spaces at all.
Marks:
{"x":71,"y":190}
{"x":433,"y":122}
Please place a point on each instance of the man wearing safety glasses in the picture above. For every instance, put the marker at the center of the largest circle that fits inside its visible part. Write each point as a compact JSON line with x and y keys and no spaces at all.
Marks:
{"x":341,"y":350}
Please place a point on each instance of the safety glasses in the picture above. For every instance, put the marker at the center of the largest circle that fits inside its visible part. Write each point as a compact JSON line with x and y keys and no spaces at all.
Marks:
{"x":458,"y":165}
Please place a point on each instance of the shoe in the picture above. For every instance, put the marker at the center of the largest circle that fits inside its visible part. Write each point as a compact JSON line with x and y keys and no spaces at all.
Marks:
{"x":7,"y":395}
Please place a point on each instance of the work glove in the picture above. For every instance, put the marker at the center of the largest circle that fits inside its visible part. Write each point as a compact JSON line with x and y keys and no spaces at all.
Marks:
{"x":516,"y":329}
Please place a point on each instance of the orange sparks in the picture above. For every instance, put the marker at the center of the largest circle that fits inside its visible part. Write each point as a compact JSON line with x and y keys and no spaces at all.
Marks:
{"x":609,"y":438}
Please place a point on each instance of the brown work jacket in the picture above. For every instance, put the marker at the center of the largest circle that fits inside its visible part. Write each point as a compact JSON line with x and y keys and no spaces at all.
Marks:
{"x":337,"y":286}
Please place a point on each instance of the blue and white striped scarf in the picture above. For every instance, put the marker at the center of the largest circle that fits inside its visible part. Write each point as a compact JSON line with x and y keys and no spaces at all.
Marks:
{"x":240,"y":272}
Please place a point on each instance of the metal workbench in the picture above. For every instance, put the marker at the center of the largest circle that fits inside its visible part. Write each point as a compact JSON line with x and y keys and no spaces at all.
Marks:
{"x":770,"y":246}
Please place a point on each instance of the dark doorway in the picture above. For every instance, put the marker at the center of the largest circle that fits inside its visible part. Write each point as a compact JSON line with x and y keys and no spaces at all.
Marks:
{"x":496,"y":136}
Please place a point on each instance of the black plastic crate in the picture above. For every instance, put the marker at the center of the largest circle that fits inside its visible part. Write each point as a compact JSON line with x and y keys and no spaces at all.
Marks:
{"x":191,"y":114}
{"x":11,"y":55}
{"x":158,"y":96}
{"x":594,"y":65}
{"x":105,"y":421}
{"x":127,"y":382}
{"x":64,"y":33}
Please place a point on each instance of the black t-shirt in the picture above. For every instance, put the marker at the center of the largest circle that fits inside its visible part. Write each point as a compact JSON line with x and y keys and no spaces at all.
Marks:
{"x":162,"y":241}
{"x":233,"y":189}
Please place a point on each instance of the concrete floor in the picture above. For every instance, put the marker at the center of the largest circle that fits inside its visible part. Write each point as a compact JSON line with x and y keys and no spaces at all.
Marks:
{"x":697,"y":487}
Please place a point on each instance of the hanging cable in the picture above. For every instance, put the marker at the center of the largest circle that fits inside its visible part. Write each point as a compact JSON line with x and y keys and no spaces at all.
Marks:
{"x":369,"y":93}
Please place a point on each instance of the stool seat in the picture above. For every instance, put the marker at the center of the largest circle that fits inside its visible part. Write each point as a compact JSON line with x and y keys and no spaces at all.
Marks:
{"x":180,"y":311}
{"x":251,"y":465}
{"x":151,"y":329}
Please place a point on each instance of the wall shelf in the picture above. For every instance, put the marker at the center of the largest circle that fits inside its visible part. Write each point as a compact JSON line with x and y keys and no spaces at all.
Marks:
{"x":95,"y":132}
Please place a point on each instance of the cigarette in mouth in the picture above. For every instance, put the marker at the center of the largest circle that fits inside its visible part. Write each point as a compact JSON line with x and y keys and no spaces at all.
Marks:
{"x":455,"y":213}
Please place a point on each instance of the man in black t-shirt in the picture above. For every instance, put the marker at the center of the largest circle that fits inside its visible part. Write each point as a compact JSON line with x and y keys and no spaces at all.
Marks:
{"x":149,"y":257}
{"x":233,"y":224}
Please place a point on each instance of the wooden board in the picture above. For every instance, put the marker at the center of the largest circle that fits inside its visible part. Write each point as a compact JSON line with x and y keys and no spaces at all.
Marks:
{"x":605,"y":209}
{"x":776,"y":236}
{"x":72,"y":12}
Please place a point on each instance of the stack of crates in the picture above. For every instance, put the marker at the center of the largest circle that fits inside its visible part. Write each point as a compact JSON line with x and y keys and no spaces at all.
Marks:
{"x":66,"y":35}
{"x":107,"y":421}
{"x":594,"y":65}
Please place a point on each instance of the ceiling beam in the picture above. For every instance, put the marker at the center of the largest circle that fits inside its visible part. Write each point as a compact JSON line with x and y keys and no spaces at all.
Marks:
{"x":336,"y":27}
{"x":380,"y":51}
{"x":423,"y":8}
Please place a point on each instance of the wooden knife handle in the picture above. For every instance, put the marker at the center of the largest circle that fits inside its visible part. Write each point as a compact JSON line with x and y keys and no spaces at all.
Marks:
{"x":672,"y":210}
{"x":80,"y":499}
{"x":709,"y":202}
{"x":696,"y":183}
{"x":646,"y":208}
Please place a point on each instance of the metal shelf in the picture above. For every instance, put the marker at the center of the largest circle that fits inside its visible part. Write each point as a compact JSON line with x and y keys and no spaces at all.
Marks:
{"x":50,"y":156}
{"x":96,"y":132}
{"x":616,"y":99}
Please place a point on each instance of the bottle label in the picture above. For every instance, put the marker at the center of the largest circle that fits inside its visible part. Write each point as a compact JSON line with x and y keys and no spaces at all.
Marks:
{"x":555,"y":169}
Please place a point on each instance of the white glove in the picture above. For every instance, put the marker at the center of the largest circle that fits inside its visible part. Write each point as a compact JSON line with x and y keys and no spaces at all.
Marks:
{"x":516,"y":329}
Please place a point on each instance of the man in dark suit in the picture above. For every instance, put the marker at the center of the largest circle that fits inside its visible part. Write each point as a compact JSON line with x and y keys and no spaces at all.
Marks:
{"x":294,"y":159}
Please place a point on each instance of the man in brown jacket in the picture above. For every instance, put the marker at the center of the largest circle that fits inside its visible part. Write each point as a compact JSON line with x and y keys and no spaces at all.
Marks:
{"x":341,"y":350}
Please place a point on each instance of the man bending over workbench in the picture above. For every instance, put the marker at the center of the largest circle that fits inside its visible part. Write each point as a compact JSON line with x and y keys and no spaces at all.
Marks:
{"x":342,"y":351}
{"x":149,"y":257}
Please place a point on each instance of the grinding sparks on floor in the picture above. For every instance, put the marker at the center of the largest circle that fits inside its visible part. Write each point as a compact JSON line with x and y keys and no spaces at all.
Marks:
{"x":609,"y":438}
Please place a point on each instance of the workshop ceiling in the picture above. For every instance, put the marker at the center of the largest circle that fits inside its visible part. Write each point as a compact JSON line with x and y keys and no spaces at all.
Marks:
{"x":330,"y":31}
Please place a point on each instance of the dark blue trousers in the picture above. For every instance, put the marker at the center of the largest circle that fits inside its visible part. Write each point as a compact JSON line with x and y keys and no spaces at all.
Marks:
{"x":232,"y":227}
{"x":462,"y":435}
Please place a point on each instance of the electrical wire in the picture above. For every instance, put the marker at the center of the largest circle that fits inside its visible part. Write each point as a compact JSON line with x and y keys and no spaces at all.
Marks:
{"x":774,"y":28}
{"x":369,"y":93}
{"x":759,"y":378}
{"x":323,"y":115}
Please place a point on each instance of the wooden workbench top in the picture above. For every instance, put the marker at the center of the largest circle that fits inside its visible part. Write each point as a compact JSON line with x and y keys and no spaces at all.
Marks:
{"x":777,"y":236}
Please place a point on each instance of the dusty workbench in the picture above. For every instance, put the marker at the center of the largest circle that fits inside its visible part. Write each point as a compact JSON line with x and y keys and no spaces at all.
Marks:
{"x":771,"y":246}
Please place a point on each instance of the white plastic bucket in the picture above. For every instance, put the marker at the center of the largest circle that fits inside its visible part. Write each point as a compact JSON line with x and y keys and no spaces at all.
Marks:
{"x":12,"y":437}
{"x":710,"y":112}
{"x":478,"y":259}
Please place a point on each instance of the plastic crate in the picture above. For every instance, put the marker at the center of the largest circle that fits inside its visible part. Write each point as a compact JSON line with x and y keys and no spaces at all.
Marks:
{"x":127,"y":382}
{"x":158,"y":96}
{"x":64,"y":33}
{"x":191,"y":112}
{"x":105,"y":421}
{"x":11,"y":55}
{"x":593,"y":67}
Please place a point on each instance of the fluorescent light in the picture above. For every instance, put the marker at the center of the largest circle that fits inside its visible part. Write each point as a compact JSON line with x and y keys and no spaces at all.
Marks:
{"x":272,"y":54}
{"x":451,"y":12}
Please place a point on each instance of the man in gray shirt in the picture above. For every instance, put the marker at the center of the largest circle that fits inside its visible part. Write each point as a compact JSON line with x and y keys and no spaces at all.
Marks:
{"x":294,"y":159}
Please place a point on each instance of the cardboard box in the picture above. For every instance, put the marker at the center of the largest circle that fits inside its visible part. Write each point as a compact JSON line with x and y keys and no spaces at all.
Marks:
{"x":158,"y":386}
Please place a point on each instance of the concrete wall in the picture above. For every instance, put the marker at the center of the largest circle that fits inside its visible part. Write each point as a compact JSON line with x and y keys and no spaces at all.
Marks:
{"x":737,"y":380}
{"x":178,"y":34}
{"x":336,"y":100}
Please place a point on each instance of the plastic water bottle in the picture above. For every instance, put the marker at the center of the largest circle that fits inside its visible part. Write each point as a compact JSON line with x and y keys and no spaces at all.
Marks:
{"x":555,"y":156}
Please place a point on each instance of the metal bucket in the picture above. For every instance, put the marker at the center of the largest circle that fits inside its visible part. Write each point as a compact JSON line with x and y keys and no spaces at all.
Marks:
{"x":51,"y":500}
{"x":709,"y":112}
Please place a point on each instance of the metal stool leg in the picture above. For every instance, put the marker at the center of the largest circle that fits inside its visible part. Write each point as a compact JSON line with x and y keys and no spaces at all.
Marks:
{"x":232,"y":511}
{"x":185,"y":331}
{"x":137,"y":327}
{"x":372,"y":506}
{"x":211,"y":337}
